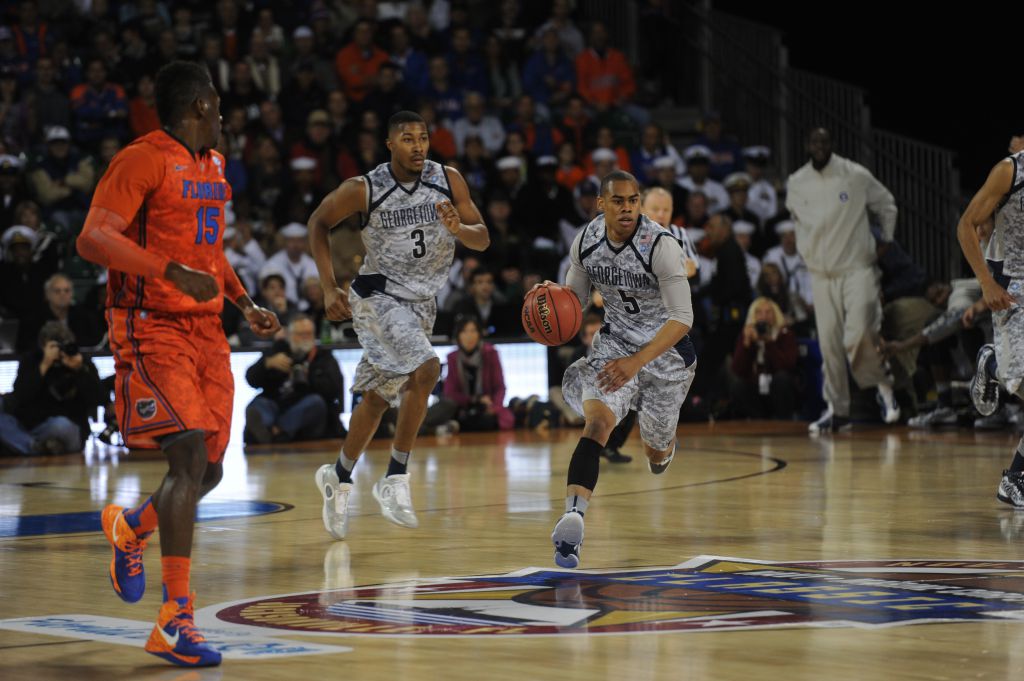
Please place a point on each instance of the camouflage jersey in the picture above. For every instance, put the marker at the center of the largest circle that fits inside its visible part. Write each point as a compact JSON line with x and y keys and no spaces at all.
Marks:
{"x":1006,"y":246}
{"x":408,"y":249}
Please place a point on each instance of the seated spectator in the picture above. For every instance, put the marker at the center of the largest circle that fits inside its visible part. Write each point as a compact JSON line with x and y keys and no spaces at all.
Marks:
{"x":772,"y":285}
{"x":301,"y":389}
{"x":698,"y":166}
{"x":654,"y":146}
{"x":549,"y":76}
{"x":664,"y":170}
{"x":48,"y":104}
{"x":142,"y":109}
{"x":474,"y":387}
{"x":301,"y":195}
{"x":83,"y":323}
{"x":411,"y":61}
{"x":389,"y":96}
{"x":604,"y":77}
{"x":493,"y":316}
{"x":440,"y":91}
{"x":212,"y":57}
{"x":540,"y":138}
{"x":726,"y":157}
{"x":302,"y":95}
{"x":764,"y":362}
{"x":743,"y":232}
{"x":317,"y":145}
{"x":272,"y":296}
{"x":442,"y":142}
{"x":21,"y":278}
{"x":476,"y":167}
{"x":696,"y":214}
{"x":243,"y":92}
{"x":293,"y":262}
{"x":269,"y":31}
{"x":55,"y":392}
{"x":477,"y":123}
{"x":902,"y":277}
{"x":737,"y":185}
{"x":304,"y":50}
{"x":511,"y":30}
{"x":467,"y":69}
{"x":13,"y":190}
{"x":266,"y":71}
{"x":561,"y":21}
{"x":502,"y":73}
{"x":576,"y":125}
{"x":569,"y":173}
{"x":244,"y":254}
{"x":14,"y":114}
{"x":606,"y":140}
{"x":357,"y":63}
{"x":62,"y":179}
{"x":99,"y":107}
{"x":763,"y":199}
{"x":797,"y":276}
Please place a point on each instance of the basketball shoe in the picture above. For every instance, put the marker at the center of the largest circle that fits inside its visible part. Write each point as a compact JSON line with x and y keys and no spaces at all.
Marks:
{"x":1011,"y":489}
{"x":662,"y":466}
{"x":335,"y":494}
{"x":984,"y":386}
{"x":395,"y":499}
{"x":176,"y":639}
{"x":127,"y":575}
{"x":568,"y":538}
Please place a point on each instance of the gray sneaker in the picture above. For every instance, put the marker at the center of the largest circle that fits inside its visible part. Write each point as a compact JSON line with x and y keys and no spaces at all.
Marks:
{"x":659,"y":468}
{"x":392,"y":493}
{"x":997,"y":420}
{"x":943,"y":416}
{"x":335,"y":494}
{"x":567,"y":538}
{"x":984,"y":387}
{"x":1011,"y":489}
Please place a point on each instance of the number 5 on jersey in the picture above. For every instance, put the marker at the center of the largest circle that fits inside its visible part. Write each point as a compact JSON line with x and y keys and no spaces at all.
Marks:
{"x":206,"y":224}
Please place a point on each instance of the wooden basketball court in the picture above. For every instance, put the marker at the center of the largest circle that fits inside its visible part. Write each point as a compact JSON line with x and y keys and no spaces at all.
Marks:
{"x":922,"y":505}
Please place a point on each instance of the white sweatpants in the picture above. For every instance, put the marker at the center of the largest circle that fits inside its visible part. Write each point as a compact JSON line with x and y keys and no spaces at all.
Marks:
{"x":848,"y":314}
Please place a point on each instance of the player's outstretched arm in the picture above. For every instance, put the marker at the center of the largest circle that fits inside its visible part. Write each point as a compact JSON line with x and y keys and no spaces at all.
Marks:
{"x":349,"y":198}
{"x":461,"y":217}
{"x":977,"y":215}
{"x":263,"y":322}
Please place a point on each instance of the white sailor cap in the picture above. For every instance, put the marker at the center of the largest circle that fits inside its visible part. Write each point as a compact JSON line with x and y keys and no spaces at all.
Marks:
{"x":743,"y":228}
{"x":547,"y":160}
{"x":785,"y":227}
{"x":603,"y":154}
{"x":697,"y":152}
{"x":508,"y":163}
{"x":19,"y":234}
{"x":302,"y":32}
{"x":294,"y":230}
{"x":303,"y":163}
{"x":757,"y":153}
{"x":664,"y":162}
{"x":737,"y":181}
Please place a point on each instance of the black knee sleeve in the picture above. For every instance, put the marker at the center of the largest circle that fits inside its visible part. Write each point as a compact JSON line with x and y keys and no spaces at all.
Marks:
{"x":585,"y":463}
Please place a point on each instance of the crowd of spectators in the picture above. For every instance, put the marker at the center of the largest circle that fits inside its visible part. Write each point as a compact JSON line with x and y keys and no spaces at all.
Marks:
{"x":530,"y":101}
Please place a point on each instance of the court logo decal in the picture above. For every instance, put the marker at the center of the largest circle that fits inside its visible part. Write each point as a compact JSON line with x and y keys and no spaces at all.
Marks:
{"x":145,"y":408}
{"x":707,"y":593}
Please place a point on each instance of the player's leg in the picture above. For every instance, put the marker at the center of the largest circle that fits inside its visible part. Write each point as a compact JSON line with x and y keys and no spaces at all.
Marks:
{"x":661,"y":397}
{"x":1003,"y":364}
{"x":618,"y":438}
{"x":828,"y":316}
{"x":335,"y":480}
{"x":861,"y":300}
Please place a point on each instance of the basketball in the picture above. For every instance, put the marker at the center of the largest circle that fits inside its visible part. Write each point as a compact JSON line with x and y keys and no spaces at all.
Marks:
{"x":552,"y":314}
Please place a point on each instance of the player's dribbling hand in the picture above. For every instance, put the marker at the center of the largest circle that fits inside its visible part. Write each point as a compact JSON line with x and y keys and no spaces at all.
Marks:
{"x":546,"y":282}
{"x":200,"y":286}
{"x":617,"y":373}
{"x":262,"y":321}
{"x":449,"y":217}
{"x":996,"y":297}
{"x":336,"y":304}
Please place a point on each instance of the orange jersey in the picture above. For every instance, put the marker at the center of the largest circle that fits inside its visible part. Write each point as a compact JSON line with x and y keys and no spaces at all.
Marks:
{"x":173,"y":203}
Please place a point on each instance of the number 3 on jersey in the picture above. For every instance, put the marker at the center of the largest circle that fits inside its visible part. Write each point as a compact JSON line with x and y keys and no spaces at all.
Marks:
{"x":206,"y":224}
{"x":419,"y":247}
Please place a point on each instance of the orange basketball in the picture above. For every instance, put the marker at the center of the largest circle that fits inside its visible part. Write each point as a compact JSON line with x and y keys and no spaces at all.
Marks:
{"x":552,"y":314}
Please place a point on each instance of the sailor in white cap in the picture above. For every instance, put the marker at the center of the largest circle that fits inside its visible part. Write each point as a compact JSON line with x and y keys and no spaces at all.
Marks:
{"x":245,"y":256}
{"x":294,"y":262}
{"x":698,"y":165}
{"x":743,"y":232}
{"x":792,"y":264}
{"x":18,"y":234}
{"x":762,"y":198}
{"x":738,"y":185}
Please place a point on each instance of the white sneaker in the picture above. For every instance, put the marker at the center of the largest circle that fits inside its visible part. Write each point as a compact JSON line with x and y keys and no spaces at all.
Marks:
{"x":888,"y":406}
{"x":392,"y":493}
{"x":943,"y":416}
{"x":567,"y":538}
{"x":335,"y":494}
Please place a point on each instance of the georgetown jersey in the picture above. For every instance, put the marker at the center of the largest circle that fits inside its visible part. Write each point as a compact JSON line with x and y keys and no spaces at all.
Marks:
{"x":633,"y":309}
{"x":1007,"y":242}
{"x":408,"y":249}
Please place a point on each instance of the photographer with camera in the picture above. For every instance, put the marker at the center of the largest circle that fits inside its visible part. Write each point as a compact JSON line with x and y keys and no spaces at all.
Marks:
{"x":764,"y":364}
{"x":302,"y":388}
{"x":55,"y":392}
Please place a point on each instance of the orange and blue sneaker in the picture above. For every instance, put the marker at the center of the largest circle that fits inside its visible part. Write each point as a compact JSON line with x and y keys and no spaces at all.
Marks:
{"x":126,"y":573}
{"x":176,"y":639}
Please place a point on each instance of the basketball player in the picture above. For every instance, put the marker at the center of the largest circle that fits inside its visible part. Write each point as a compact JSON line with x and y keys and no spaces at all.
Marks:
{"x":655,"y":203}
{"x":641,"y":358}
{"x":413,"y":212}
{"x":156,"y":220}
{"x":1002,"y":288}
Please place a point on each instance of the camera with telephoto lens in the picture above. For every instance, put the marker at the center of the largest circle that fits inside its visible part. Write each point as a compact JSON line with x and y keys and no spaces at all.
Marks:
{"x":761,"y":328}
{"x":69,"y":348}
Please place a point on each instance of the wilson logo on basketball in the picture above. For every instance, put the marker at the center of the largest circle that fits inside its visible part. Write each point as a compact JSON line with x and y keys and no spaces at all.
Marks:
{"x":545,"y":312}
{"x":707,"y":592}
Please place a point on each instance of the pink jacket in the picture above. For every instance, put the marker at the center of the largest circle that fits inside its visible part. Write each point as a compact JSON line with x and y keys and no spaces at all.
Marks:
{"x":493,"y":384}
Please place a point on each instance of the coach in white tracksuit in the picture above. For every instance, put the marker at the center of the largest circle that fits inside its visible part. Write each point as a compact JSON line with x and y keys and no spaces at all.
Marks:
{"x":829,"y":199}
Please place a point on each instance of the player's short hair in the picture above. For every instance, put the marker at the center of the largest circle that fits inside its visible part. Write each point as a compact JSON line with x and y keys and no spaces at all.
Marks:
{"x":617,"y":176}
{"x":401,"y":118}
{"x":178,"y":84}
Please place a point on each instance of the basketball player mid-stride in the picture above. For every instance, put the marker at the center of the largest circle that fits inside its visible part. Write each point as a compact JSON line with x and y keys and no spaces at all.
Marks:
{"x":413,"y":212}
{"x":1002,"y":285}
{"x":641,"y":358}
